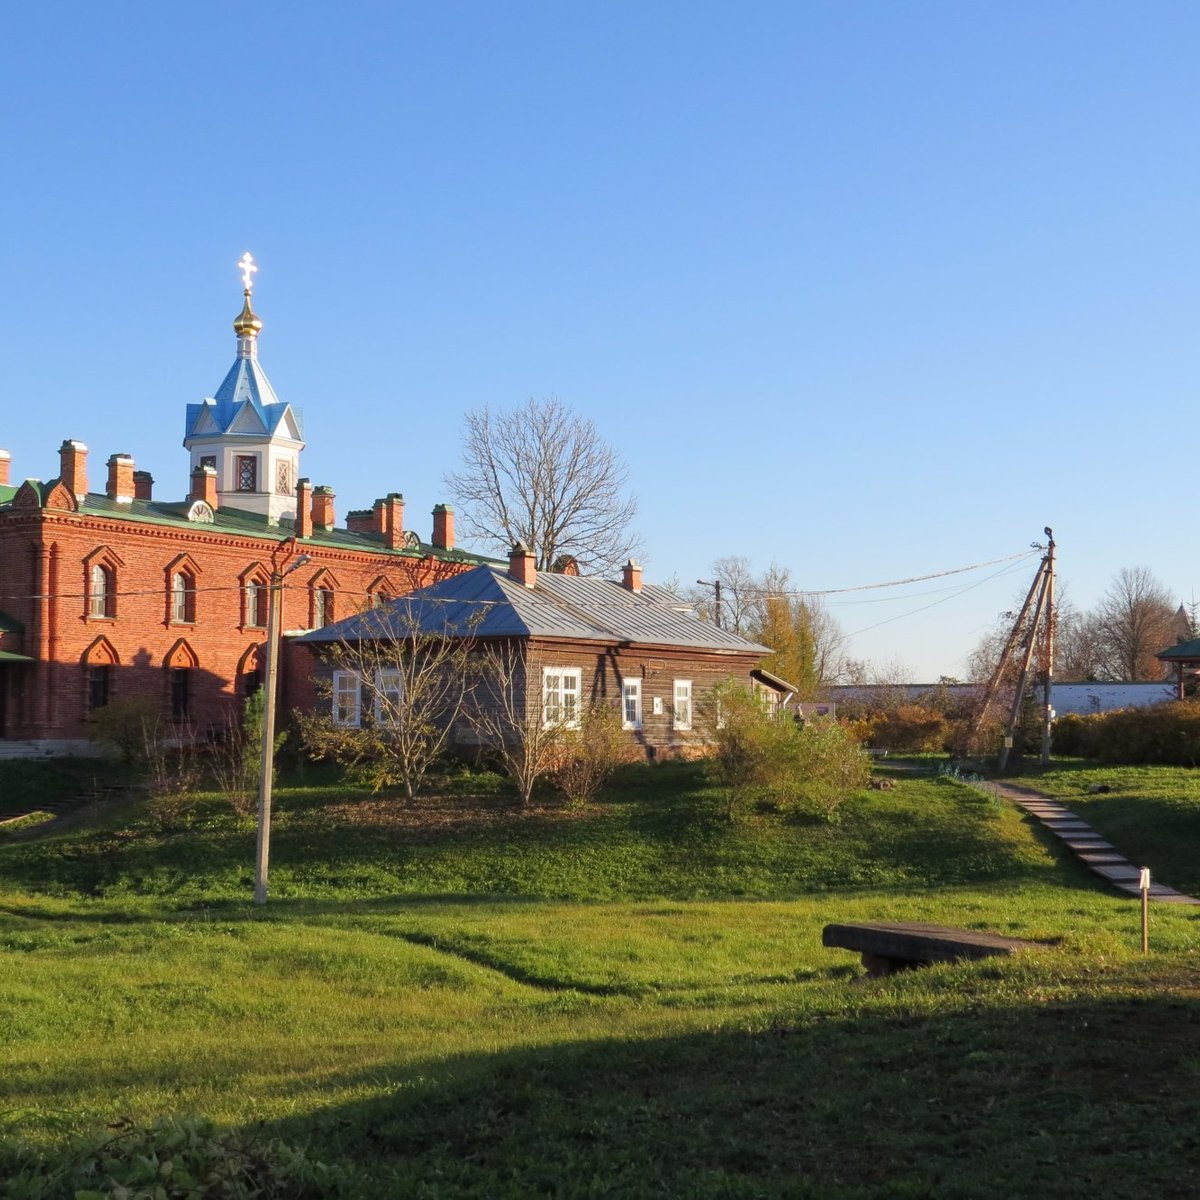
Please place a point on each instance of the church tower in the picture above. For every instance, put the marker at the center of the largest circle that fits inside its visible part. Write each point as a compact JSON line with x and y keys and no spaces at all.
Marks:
{"x":245,"y":432}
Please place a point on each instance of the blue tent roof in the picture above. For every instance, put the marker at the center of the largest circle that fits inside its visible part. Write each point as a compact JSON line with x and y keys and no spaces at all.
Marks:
{"x":246,"y":384}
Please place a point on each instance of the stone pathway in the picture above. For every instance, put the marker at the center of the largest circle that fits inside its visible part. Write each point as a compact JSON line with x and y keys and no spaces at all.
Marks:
{"x":1086,"y":844}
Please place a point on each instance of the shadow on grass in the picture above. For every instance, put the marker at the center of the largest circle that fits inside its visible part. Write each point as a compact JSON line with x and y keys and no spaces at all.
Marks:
{"x":1094,"y":1097}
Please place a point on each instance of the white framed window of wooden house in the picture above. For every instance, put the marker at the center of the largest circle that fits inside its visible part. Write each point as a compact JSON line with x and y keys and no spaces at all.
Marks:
{"x":683,"y":703}
{"x":631,"y":703}
{"x":561,"y":688}
{"x":389,"y":694}
{"x":347,"y":699}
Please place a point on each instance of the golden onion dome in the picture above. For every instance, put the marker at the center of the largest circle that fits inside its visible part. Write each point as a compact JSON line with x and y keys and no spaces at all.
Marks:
{"x":246,"y":323}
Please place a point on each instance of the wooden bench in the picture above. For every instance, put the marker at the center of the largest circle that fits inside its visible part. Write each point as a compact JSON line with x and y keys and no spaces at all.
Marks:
{"x":902,"y":946}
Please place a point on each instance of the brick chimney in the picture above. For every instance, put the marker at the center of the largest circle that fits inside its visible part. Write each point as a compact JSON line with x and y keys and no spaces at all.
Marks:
{"x":520,"y":565}
{"x":73,"y":457}
{"x":304,"y":516}
{"x":204,"y":485}
{"x":631,"y":575}
{"x":143,"y":485}
{"x":443,"y":529}
{"x":393,"y":520}
{"x":120,"y":478}
{"x":5,"y":461}
{"x":322,"y":507}
{"x":362,"y":520}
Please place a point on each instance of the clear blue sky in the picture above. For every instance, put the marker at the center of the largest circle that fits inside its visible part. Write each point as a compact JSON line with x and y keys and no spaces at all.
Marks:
{"x":866,"y":289}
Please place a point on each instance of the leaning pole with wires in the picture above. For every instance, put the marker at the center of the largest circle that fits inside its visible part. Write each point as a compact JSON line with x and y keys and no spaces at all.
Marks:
{"x":1040,"y":597}
{"x":1048,"y":652}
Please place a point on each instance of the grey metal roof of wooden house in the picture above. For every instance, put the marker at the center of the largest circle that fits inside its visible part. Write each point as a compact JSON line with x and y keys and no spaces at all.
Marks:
{"x":487,"y":603}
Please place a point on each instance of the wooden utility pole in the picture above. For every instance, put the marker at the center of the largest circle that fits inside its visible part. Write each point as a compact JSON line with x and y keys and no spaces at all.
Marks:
{"x":1040,"y":635}
{"x":1030,"y":642}
{"x":1048,"y":676}
{"x":266,"y":777}
{"x":716,"y":587}
{"x":993,"y":685}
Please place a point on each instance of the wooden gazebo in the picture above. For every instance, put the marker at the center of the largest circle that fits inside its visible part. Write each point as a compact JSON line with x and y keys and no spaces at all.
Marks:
{"x":1185,"y":658}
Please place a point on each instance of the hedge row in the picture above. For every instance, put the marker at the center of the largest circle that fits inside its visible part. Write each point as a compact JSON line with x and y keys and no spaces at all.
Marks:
{"x":1164,"y":733}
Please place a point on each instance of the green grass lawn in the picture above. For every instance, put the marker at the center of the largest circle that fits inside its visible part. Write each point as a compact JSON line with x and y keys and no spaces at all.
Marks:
{"x":629,"y":1000}
{"x":1152,"y":814}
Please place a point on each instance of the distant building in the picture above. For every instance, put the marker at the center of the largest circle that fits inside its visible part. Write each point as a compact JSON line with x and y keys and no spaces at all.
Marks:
{"x":1065,"y":698}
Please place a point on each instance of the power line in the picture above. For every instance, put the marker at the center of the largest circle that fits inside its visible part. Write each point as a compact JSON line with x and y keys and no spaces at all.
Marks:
{"x":755,"y":590}
{"x":961,"y":592}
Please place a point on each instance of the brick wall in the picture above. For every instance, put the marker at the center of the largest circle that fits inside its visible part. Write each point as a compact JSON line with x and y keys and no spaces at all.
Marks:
{"x":49,"y":554}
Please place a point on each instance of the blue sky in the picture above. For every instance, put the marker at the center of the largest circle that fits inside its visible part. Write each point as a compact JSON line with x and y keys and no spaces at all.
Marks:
{"x":867,"y":289}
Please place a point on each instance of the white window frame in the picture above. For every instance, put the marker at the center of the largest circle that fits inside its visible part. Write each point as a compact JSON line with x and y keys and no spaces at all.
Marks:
{"x":388,"y":682}
{"x":98,"y":591}
{"x":631,"y":689}
{"x":347,"y":699}
{"x":681,"y":706}
{"x":181,"y":600}
{"x":557,"y":698}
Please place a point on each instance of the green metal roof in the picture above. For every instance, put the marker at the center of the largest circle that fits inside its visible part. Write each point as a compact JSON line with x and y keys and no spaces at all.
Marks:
{"x":237,"y":522}
{"x":9,"y":656}
{"x":1184,"y":650}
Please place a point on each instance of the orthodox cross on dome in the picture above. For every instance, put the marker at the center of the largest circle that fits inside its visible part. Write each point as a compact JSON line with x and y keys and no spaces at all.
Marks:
{"x":247,"y":325}
{"x":247,"y":267}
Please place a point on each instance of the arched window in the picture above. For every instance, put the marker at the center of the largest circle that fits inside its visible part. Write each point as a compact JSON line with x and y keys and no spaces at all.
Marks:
{"x":183,"y":598}
{"x":99,"y":663}
{"x":322,"y":607}
{"x":100,"y":569}
{"x":101,"y":591}
{"x":322,"y":590}
{"x":181,"y":666}
{"x":254,"y":603}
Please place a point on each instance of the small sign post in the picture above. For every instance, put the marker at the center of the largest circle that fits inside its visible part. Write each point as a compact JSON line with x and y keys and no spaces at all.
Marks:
{"x":1144,"y":888}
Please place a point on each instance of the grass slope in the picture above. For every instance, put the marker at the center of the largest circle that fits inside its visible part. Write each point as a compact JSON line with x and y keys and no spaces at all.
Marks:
{"x":1152,"y":814}
{"x":633,"y":1000}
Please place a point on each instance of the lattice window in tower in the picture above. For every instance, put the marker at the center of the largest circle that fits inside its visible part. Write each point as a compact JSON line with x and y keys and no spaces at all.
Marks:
{"x":247,"y":473}
{"x":283,"y":477}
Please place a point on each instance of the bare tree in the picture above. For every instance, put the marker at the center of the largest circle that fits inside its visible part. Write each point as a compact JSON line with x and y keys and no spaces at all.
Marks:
{"x":543,"y":475}
{"x":807,"y":639}
{"x":511,"y":718}
{"x":408,"y":688}
{"x":1077,"y":651}
{"x":1135,"y":620}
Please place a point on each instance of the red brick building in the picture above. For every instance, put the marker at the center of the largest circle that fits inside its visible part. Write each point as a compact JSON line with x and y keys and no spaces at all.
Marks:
{"x":112,"y":592}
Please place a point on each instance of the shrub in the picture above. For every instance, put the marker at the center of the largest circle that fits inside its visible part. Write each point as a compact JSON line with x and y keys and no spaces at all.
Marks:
{"x":771,"y":759}
{"x":1077,"y":734}
{"x":588,"y":755}
{"x":831,"y":765}
{"x":910,"y":728}
{"x":1165,"y":733}
{"x":236,"y":761}
{"x":122,"y":724}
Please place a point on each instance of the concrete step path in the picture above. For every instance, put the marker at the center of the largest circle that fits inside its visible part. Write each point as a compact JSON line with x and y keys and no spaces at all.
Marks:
{"x":1086,"y":844}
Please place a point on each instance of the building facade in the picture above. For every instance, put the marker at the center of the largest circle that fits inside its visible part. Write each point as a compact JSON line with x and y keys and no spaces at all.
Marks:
{"x":566,"y":642}
{"x":114,"y":593}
